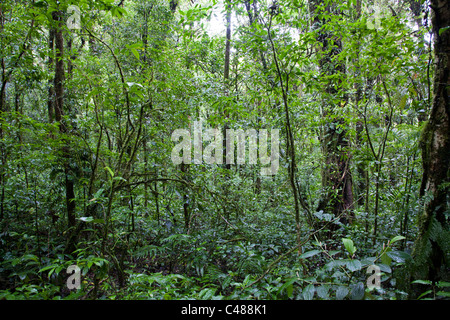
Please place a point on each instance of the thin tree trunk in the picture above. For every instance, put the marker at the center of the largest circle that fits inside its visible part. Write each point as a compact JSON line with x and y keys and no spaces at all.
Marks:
{"x":253,"y":19}
{"x":226,"y":71}
{"x":361,"y":166}
{"x":186,"y":212}
{"x":59,"y":112}
{"x":416,"y":9}
{"x":51,"y":89}
{"x":226,"y":78}
{"x":290,"y":146}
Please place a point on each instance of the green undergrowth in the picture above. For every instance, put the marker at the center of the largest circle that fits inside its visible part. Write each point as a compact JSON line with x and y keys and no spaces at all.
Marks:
{"x":240,"y":259}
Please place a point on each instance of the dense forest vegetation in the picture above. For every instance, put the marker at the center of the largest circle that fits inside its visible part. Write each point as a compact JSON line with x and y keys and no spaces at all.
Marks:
{"x":120,"y":177}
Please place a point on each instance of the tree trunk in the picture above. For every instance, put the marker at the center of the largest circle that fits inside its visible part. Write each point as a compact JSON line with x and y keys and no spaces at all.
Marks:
{"x":432,"y":248}
{"x":59,"y":112}
{"x":336,"y":177}
{"x":226,"y":72}
{"x":51,"y":88}
{"x":226,"y":78}
{"x":2,"y":105}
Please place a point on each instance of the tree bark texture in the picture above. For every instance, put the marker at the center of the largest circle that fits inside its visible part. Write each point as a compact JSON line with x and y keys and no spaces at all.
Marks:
{"x":432,"y":248}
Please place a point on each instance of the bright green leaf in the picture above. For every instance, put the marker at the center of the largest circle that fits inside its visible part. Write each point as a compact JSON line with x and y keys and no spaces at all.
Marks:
{"x":135,"y":52}
{"x":110,"y":171}
{"x":348,"y":244}
{"x":442,"y":30}
{"x":427,"y":282}
{"x":397,"y":238}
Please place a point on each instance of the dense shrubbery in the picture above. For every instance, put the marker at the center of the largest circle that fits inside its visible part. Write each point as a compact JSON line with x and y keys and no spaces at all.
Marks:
{"x":86,"y":176}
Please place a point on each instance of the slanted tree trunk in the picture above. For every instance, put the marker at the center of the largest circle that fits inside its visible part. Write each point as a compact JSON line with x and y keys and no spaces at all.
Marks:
{"x":432,"y":248}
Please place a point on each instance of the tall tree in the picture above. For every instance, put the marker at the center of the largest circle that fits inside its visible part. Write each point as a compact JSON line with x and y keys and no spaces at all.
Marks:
{"x":51,"y":88}
{"x":58,"y":19}
{"x":432,"y":247}
{"x":336,"y":176}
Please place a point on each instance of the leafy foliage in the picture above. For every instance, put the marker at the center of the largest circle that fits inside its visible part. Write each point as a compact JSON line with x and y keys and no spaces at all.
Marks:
{"x":148,"y":229}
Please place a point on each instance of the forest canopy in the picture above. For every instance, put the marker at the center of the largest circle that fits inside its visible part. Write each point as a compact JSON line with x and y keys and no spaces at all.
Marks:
{"x":225,"y":149}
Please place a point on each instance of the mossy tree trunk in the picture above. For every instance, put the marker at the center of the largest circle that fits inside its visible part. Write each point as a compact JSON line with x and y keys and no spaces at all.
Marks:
{"x":337,"y":180}
{"x":432,"y":248}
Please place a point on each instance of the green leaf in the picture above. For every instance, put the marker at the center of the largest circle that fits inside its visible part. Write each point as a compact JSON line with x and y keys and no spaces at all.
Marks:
{"x":357,"y":292}
{"x":384,"y":268}
{"x":368,"y":261}
{"x":402,"y":105}
{"x":288,"y":287}
{"x":135,"y":52}
{"x":397,"y":238}
{"x":308,"y":292}
{"x":443,"y":284}
{"x":385,"y":258}
{"x":118,"y":12}
{"x":290,"y":290}
{"x":427,"y":282}
{"x":354,"y":265}
{"x":322,"y":291}
{"x":47,"y":268}
{"x":348,"y":244}
{"x":98,"y":194}
{"x":442,"y":30}
{"x":137,"y":45}
{"x":443,"y":294}
{"x":40,"y":4}
{"x":110,"y":171}
{"x":341,"y":293}
{"x":399,"y":256}
{"x":309,"y":254}
{"x":335,"y":263}
{"x":86,"y":219}
{"x":30,"y":257}
{"x":425,"y":293}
